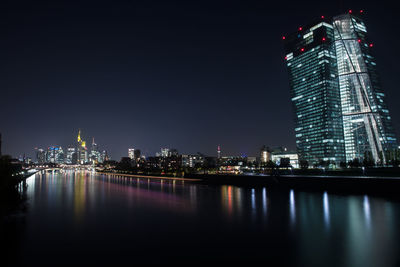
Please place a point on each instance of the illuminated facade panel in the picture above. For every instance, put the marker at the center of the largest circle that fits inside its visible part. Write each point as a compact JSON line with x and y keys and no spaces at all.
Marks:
{"x":368,"y":131}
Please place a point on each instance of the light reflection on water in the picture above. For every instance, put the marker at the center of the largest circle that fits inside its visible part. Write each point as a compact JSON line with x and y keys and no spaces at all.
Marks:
{"x":292,"y":207}
{"x":326,"y":209}
{"x":314,"y":228}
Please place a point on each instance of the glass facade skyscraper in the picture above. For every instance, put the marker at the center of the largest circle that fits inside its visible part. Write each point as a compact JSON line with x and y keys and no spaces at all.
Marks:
{"x":311,"y":62}
{"x":339,"y":106}
{"x":368,"y":131}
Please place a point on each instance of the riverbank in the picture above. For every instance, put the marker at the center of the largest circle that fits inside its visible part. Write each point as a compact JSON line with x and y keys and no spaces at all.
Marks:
{"x":189,"y":179}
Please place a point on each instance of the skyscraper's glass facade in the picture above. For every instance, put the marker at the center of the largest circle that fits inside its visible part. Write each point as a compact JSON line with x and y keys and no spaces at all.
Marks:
{"x":311,"y":61}
{"x":368,"y":131}
{"x":340,"y":109}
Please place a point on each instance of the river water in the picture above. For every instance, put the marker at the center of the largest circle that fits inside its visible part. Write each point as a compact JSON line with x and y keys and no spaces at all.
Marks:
{"x":84,"y":218}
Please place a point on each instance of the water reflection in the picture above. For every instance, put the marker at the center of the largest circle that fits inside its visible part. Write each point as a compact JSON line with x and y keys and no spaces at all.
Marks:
{"x":292,"y":206}
{"x":313,"y":229}
{"x":232,"y":199}
{"x":79,"y":190}
{"x":264,"y":201}
{"x":253,"y":204}
{"x":367,"y":212}
{"x":326,"y":210}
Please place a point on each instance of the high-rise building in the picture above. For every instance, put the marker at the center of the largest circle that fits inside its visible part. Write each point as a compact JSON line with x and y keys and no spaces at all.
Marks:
{"x":81,"y":150}
{"x":94,"y":156}
{"x":40,"y":155}
{"x":265,"y":154}
{"x":55,"y":154}
{"x":104,"y":156}
{"x":339,"y":106}
{"x":131,"y":153}
{"x":94,"y":145}
{"x":71,"y":151}
{"x":311,"y":62}
{"x":136,"y":154}
{"x":164,"y":152}
{"x":368,"y":130}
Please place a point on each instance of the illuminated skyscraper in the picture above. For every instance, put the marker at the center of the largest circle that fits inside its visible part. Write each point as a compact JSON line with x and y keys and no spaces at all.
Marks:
{"x":55,"y":154}
{"x":164,"y":152}
{"x":71,"y":151}
{"x":131,"y":153}
{"x":340,"y":108}
{"x":265,"y":154}
{"x":40,"y":155}
{"x":368,"y":130}
{"x":94,"y":156}
{"x":311,"y":62}
{"x":82,"y":155}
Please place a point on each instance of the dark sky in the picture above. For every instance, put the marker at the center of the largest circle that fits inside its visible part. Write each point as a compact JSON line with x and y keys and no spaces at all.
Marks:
{"x":150,"y":74}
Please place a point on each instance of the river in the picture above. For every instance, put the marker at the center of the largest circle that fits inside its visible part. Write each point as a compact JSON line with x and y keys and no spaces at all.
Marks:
{"x":85,"y":218}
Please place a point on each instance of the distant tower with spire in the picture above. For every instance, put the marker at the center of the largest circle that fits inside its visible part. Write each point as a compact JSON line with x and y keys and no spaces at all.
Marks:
{"x":81,"y":149}
{"x":219,"y":152}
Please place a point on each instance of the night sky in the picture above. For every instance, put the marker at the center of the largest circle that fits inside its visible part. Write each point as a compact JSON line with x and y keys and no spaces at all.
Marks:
{"x":149,"y":74}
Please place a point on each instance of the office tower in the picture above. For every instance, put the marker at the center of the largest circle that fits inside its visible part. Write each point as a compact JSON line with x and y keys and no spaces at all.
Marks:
{"x":315,"y":94}
{"x":104,"y":156}
{"x":136,"y":154}
{"x":94,"y":145}
{"x":340,"y":108}
{"x":164,"y":152}
{"x":131,"y":153}
{"x":82,"y":155}
{"x":55,"y":154}
{"x":94,"y":156}
{"x":71,"y":151}
{"x":265,"y":154}
{"x":40,"y":155}
{"x":368,"y":130}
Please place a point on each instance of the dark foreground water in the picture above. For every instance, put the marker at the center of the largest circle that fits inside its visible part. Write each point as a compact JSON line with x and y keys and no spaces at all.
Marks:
{"x":90,"y":219}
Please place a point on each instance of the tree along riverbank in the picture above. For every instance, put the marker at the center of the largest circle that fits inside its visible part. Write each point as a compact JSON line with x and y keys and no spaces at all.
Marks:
{"x":12,"y":184}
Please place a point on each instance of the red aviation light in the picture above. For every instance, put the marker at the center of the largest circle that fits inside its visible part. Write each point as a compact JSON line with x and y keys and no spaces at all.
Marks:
{"x":283,"y":37}
{"x":359,"y":40}
{"x":350,"y":11}
{"x":322,"y":17}
{"x":361,"y":11}
{"x":371,"y":45}
{"x":285,"y":57}
{"x":300,"y":28}
{"x":302,"y":49}
{"x":323,"y":39}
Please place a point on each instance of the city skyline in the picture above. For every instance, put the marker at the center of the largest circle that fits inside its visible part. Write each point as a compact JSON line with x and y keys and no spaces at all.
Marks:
{"x":175,"y":132}
{"x":222,"y":85}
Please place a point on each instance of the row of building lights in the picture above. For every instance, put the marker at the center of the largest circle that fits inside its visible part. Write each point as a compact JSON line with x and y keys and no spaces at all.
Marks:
{"x":324,"y":38}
